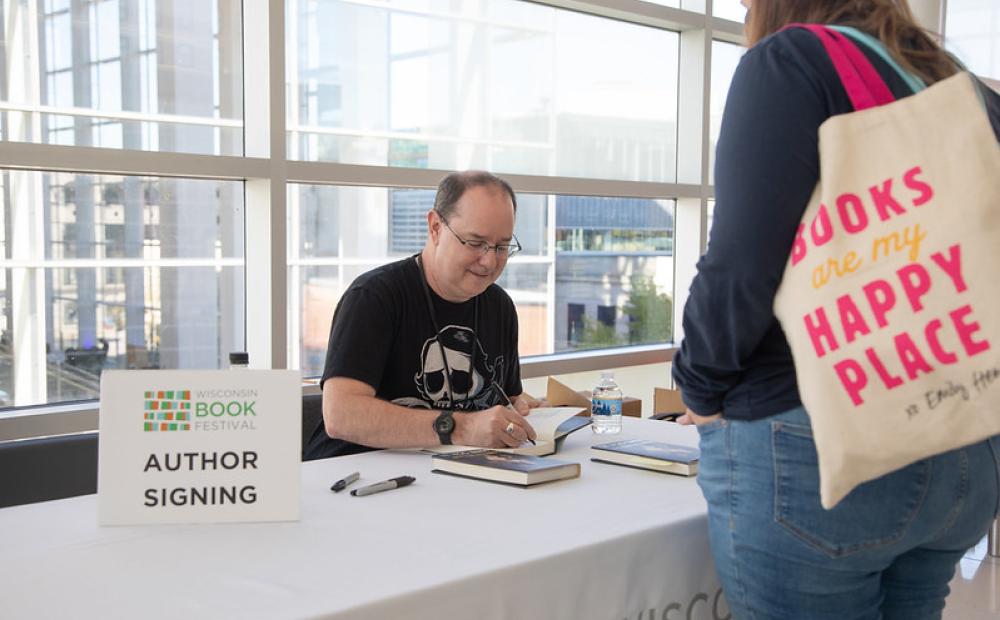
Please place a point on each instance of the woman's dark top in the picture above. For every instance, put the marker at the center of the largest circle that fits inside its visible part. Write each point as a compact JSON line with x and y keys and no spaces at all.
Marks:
{"x":734,"y":357}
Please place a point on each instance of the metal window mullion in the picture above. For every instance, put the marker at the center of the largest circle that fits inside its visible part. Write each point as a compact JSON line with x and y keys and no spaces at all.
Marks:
{"x":692,"y":163}
{"x":325,"y":173}
{"x":266,"y":226}
{"x":634,"y":12}
{"x":550,"y":244}
{"x":105,"y":161}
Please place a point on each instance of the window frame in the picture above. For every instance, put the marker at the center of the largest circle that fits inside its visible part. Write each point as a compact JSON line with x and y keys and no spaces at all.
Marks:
{"x":266,"y":171}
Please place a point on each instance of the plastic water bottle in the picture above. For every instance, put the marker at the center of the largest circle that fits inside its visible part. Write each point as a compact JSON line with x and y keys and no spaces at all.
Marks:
{"x":606,"y":406}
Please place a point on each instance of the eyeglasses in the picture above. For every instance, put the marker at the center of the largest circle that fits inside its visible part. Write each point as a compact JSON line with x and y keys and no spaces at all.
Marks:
{"x":503,"y":250}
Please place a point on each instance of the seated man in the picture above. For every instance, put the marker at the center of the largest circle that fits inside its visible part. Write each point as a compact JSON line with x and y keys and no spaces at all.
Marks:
{"x":423,"y":351}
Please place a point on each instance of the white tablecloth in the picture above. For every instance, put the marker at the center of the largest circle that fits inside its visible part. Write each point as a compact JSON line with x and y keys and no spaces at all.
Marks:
{"x":615,"y":543}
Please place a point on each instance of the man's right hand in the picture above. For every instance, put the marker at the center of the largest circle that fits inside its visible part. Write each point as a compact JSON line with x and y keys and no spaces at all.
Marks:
{"x":488,"y":428}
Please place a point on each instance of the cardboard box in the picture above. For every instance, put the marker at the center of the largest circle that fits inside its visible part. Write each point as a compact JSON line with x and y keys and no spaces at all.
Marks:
{"x":560,"y":395}
{"x":667,"y":401}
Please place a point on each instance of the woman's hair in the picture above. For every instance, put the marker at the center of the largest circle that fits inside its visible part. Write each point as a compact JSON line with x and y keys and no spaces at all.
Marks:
{"x":888,"y":20}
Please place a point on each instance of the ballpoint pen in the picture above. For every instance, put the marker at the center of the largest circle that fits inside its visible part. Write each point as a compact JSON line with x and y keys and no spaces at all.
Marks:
{"x":344,"y":482}
{"x":386,"y":485}
{"x":510,"y":404}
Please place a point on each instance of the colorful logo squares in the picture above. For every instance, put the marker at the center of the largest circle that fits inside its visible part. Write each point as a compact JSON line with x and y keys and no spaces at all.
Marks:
{"x":166,"y":410}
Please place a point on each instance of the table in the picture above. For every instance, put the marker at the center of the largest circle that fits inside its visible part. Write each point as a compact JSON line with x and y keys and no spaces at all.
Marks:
{"x":615,"y":543}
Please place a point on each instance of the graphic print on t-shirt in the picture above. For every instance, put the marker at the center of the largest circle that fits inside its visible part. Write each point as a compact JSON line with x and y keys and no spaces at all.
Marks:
{"x":473,"y":389}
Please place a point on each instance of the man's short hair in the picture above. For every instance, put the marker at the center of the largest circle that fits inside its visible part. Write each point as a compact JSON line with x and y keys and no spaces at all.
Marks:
{"x":453,"y":187}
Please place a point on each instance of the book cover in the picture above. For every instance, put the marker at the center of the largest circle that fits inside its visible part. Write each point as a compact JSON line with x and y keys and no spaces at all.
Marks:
{"x":646,"y":454}
{"x":500,"y":466}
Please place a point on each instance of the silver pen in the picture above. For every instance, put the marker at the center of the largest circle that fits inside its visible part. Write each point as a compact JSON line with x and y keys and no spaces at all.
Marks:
{"x":510,"y":404}
{"x":345,"y":482}
{"x":386,"y":485}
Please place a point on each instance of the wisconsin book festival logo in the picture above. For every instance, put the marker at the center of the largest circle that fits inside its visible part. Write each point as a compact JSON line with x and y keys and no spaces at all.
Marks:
{"x":167,"y":410}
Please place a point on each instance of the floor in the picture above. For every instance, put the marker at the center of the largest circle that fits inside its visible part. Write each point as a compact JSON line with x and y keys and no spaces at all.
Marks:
{"x":975,"y":591}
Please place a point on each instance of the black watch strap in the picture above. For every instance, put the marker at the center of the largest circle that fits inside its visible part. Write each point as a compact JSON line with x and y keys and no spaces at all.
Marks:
{"x":444,"y":426}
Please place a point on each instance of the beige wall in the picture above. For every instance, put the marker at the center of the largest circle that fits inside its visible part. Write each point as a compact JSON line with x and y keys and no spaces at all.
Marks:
{"x":636,"y":381}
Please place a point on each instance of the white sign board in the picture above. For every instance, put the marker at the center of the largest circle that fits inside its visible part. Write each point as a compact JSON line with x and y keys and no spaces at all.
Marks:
{"x":199,"y":446}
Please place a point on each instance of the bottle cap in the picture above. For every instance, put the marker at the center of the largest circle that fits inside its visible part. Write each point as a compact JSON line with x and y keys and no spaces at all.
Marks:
{"x":239,"y":358}
{"x":607,"y":374}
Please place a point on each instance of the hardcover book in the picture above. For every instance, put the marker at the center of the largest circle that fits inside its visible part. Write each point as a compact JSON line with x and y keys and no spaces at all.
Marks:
{"x":499,"y":466}
{"x":646,"y":454}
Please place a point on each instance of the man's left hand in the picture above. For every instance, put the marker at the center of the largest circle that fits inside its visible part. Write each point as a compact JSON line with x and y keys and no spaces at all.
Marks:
{"x":523,"y":403}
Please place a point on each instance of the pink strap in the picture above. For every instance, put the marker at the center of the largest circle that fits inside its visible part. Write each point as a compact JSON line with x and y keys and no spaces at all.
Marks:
{"x":864,"y":86}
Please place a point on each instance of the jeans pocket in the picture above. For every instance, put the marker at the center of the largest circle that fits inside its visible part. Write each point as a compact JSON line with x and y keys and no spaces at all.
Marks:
{"x":710,"y":427}
{"x":875,"y":514}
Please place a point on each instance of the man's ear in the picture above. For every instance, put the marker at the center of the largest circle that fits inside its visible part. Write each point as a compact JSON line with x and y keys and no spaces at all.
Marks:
{"x":433,"y":225}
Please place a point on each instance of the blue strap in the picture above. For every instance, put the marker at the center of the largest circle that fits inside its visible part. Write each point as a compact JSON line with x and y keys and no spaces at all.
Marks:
{"x":912,"y":81}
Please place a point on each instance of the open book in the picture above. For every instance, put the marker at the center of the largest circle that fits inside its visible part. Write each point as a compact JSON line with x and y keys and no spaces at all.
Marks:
{"x":551,"y":424}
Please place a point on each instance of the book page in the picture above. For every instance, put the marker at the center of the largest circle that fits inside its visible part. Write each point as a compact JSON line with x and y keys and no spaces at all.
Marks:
{"x":545,"y":421}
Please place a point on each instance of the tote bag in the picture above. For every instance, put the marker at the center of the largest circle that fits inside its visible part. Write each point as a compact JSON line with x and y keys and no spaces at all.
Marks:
{"x":890,"y":299}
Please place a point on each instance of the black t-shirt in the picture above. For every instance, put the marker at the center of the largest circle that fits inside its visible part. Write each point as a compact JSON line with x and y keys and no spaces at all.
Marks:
{"x":383,"y":334}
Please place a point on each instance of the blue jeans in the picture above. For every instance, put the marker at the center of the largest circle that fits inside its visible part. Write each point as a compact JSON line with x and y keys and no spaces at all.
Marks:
{"x":887,"y":550}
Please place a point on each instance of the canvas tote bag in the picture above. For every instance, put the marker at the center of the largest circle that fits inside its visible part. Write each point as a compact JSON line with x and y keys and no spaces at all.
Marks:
{"x":890,"y":299}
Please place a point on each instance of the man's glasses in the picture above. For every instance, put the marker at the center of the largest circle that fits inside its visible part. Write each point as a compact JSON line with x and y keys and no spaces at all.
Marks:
{"x":482,"y":248}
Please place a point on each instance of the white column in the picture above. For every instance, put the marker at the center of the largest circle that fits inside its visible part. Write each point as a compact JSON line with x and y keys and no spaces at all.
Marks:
{"x":27,"y":284}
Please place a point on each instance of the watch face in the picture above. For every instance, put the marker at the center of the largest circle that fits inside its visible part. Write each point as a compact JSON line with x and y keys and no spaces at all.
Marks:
{"x":444,"y":423}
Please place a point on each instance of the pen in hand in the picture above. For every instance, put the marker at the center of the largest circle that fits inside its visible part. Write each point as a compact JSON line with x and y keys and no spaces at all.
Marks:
{"x":344,"y":482}
{"x":510,"y":404}
{"x":387,"y":485}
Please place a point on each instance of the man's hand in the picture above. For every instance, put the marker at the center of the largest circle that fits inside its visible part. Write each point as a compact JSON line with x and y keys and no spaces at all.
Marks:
{"x":524,"y":403}
{"x":690,"y":417}
{"x":488,"y":428}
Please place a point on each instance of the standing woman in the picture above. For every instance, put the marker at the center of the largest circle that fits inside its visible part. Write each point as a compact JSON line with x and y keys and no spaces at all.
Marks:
{"x":889,"y":549}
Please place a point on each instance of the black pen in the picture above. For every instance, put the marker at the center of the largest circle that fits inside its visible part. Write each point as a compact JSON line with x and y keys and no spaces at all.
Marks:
{"x":510,"y":404}
{"x":344,"y":482}
{"x":387,"y":485}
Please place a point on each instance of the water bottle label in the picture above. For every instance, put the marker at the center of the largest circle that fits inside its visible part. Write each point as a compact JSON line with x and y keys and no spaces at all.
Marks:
{"x":606,"y":406}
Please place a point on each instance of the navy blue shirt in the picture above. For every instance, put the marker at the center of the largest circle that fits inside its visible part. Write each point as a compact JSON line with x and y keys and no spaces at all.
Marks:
{"x":734,"y":357}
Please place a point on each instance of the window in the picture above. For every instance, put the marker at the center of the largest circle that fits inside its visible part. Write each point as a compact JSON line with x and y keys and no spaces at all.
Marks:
{"x":972,"y":32}
{"x":444,"y":86}
{"x":136,"y":74}
{"x":126,"y":194}
{"x":608,"y":252}
{"x":98,"y":279}
{"x":729,"y":9}
{"x":725,"y":58}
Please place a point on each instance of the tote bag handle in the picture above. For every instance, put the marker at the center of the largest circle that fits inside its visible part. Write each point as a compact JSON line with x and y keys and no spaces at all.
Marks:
{"x":865,"y":87}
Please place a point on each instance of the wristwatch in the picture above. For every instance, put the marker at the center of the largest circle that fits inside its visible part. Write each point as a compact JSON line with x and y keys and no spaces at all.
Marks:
{"x":444,"y":426}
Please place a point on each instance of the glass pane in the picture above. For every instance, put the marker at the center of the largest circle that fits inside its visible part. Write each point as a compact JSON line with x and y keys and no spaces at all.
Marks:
{"x":729,"y":9}
{"x":435,"y":84}
{"x":972,"y":32}
{"x":115,"y":272}
{"x":606,"y":281}
{"x":725,"y":58}
{"x":159,"y":75}
{"x":613,"y":253}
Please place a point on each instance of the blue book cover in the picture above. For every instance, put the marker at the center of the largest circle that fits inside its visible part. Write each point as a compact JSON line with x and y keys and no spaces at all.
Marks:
{"x":646,"y":454}
{"x":520,"y":469}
